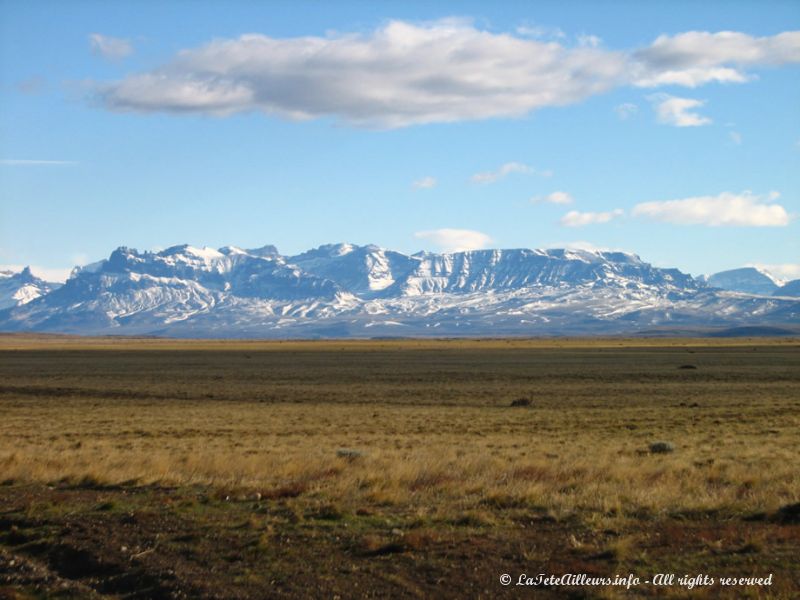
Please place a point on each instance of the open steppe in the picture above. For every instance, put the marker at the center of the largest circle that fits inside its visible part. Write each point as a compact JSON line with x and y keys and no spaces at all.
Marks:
{"x":157,"y":468}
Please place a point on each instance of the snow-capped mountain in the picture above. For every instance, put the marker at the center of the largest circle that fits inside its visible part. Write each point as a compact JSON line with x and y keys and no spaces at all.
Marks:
{"x":748,"y":280}
{"x":20,"y":288}
{"x":347,"y":290}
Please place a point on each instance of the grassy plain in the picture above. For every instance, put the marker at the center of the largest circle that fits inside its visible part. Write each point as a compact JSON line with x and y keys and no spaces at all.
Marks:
{"x":377,"y":468}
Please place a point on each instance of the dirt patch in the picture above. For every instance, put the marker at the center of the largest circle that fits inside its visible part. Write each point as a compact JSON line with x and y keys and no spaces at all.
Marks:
{"x":182,"y":543}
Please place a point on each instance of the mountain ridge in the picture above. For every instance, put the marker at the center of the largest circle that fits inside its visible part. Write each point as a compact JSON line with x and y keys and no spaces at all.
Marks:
{"x":341,"y":290}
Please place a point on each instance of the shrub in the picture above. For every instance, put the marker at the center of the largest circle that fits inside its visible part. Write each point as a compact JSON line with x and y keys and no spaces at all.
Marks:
{"x":661,"y":448}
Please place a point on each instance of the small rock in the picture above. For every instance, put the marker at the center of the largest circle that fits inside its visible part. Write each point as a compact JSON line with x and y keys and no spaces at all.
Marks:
{"x":521,"y":402}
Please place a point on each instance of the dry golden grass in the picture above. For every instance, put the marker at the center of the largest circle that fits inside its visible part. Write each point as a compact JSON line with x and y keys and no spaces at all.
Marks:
{"x":12,"y":341}
{"x":395,"y":469}
{"x":431,"y":419}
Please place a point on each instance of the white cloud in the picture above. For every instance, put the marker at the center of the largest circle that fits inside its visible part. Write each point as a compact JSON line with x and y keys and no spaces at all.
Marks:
{"x":735,"y":137}
{"x":671,"y":110}
{"x":425,"y":183}
{"x":455,"y":240}
{"x":109,"y":47}
{"x":404,"y":73}
{"x":575,"y":218}
{"x":626,"y":109}
{"x":46,"y":273}
{"x":505,"y":170}
{"x":398,"y":75}
{"x":554,"y":198}
{"x":697,"y":57}
{"x":727,"y":209}
{"x":783,"y":272}
{"x":692,"y":77}
{"x":23,"y":162}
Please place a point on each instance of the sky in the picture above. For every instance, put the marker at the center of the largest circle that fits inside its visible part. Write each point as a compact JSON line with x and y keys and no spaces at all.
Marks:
{"x":667,"y":129}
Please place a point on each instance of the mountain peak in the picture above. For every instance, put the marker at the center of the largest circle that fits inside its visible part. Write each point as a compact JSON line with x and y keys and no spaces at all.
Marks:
{"x":19,"y":288}
{"x":747,"y":280}
{"x":340,"y":249}
{"x":264,"y":251}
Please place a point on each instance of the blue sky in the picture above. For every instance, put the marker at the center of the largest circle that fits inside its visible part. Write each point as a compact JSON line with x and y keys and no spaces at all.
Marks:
{"x":629,"y":125}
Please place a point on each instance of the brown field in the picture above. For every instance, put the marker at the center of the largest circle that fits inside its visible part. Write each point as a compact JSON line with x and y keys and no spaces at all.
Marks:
{"x":148,"y":468}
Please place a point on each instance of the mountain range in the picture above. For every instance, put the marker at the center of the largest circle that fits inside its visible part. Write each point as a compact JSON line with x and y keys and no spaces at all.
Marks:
{"x":343,"y":290}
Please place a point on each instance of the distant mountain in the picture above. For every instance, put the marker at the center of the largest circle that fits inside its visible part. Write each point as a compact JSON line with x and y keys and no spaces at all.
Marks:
{"x":20,"y":288}
{"x":342,"y":290}
{"x":790,"y":288}
{"x":748,"y":280}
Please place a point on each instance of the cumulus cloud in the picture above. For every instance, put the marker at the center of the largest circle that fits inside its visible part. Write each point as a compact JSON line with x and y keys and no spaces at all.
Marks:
{"x":671,"y":110}
{"x":404,"y":73}
{"x":697,"y":57}
{"x":554,"y":198}
{"x":455,"y":240}
{"x":109,"y":47}
{"x":727,"y":209}
{"x":425,"y":183}
{"x":575,"y":218}
{"x":400,"y":74}
{"x":692,"y":77}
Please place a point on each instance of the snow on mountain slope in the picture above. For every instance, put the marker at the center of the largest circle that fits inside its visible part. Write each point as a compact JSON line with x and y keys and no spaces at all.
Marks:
{"x":495,"y":270}
{"x":20,"y":288}
{"x":344,"y":290}
{"x":363,"y":270}
{"x":748,"y":280}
